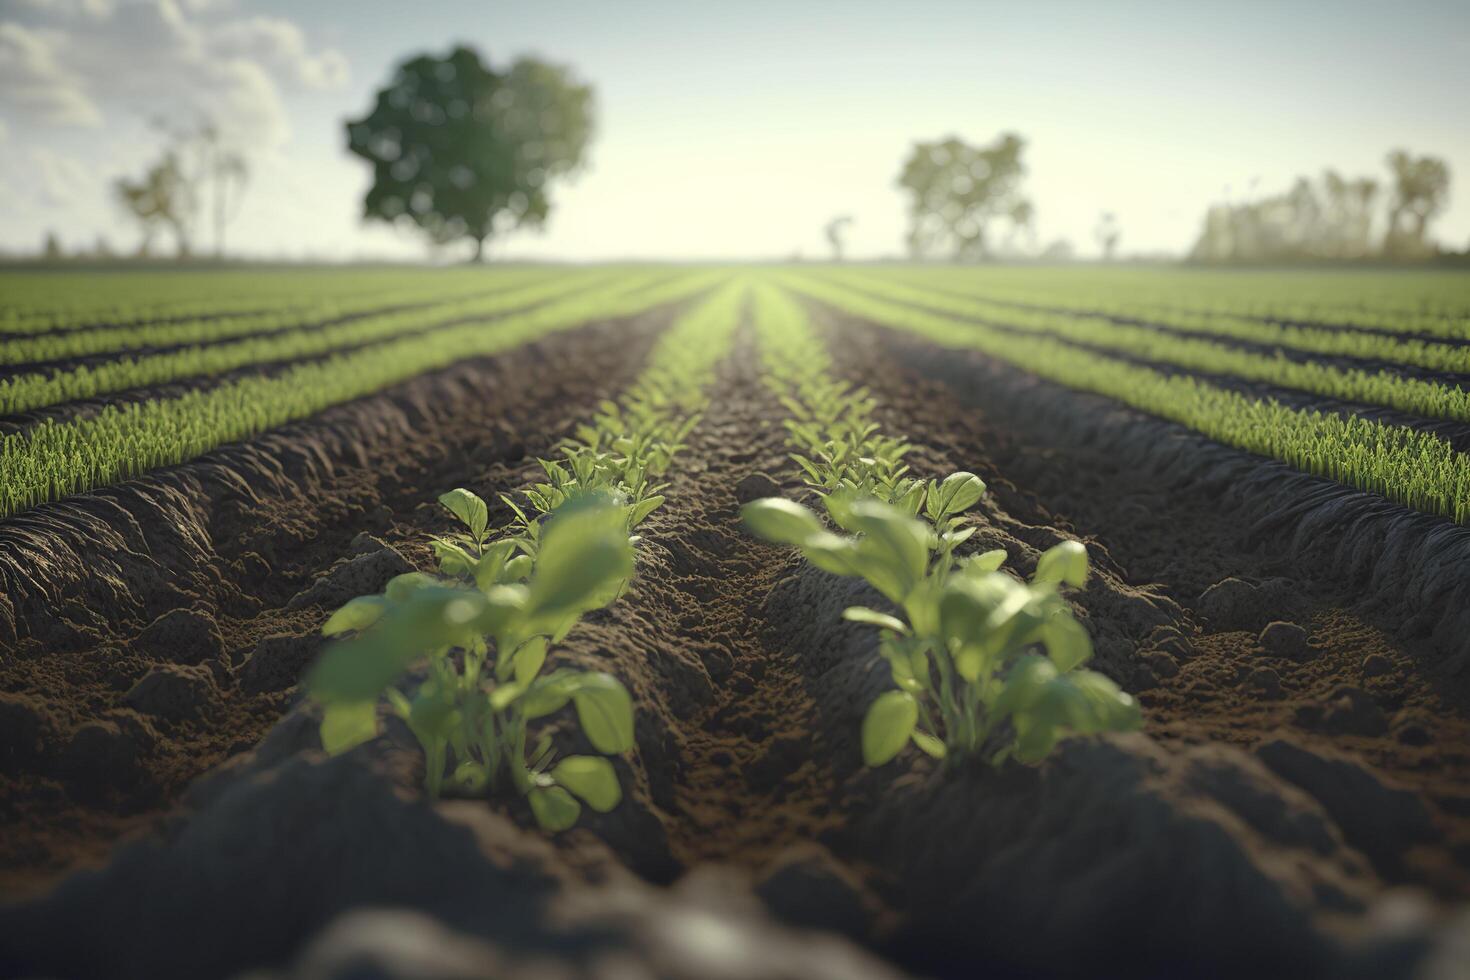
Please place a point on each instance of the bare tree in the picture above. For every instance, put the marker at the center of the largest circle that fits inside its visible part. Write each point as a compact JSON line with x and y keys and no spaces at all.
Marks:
{"x":835,"y":230}
{"x":1107,"y":234}
{"x":226,"y":171}
{"x":163,"y":198}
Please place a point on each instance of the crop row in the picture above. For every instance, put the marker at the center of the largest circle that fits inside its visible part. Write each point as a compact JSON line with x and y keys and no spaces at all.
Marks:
{"x":36,"y":303}
{"x":489,"y":618}
{"x":1412,"y":352}
{"x":203,"y":330}
{"x":982,"y":663}
{"x":1415,"y":396}
{"x":1430,"y":303}
{"x":25,"y":392}
{"x":54,"y":459}
{"x":1415,"y":468}
{"x":466,"y":655}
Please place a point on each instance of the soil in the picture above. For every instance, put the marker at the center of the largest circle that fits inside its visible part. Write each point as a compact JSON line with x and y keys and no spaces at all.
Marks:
{"x":153,"y":629}
{"x":1293,"y":807}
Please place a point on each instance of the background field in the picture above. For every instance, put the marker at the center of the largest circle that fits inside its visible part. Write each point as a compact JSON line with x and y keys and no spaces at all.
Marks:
{"x":1267,"y":469}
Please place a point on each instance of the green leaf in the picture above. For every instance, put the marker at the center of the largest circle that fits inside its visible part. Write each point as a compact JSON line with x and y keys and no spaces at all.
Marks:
{"x":929,"y":744}
{"x":517,"y":569}
{"x":1067,"y":642}
{"x":471,"y":776}
{"x":888,"y":726}
{"x":643,"y":508}
{"x":832,"y":553}
{"x":505,"y":695}
{"x":959,"y":492}
{"x":401,"y":588}
{"x":491,"y":567}
{"x":1065,"y":562}
{"x":453,"y":560}
{"x":1024,"y":686}
{"x":781,"y":521}
{"x":470,"y":510}
{"x":358,"y":614}
{"x":360,"y":668}
{"x":554,"y":807}
{"x":592,"y":778}
{"x":347,"y":724}
{"x":893,"y":551}
{"x":985,"y":562}
{"x":432,"y":713}
{"x":605,"y":710}
{"x":550,"y":693}
{"x":862,"y":614}
{"x":584,"y":550}
{"x":528,"y":659}
{"x":1113,"y":710}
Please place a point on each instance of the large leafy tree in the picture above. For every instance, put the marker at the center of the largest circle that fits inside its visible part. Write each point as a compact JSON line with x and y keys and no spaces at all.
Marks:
{"x":463,"y":151}
{"x":957,"y":191}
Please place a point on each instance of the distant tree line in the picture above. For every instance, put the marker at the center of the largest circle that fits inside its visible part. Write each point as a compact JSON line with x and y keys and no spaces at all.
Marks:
{"x":1333,"y":218}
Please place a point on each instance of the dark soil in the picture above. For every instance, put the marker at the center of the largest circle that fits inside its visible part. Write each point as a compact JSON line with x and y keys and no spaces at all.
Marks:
{"x":1293,"y":807}
{"x":150,"y":630}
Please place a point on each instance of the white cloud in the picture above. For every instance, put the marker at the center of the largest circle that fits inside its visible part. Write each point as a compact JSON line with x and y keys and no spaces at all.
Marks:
{"x":83,"y":62}
{"x":35,"y":85}
{"x":279,"y":45}
{"x":61,"y":180}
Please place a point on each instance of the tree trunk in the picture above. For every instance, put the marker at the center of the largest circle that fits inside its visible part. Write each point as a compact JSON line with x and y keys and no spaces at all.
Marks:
{"x":479,"y":248}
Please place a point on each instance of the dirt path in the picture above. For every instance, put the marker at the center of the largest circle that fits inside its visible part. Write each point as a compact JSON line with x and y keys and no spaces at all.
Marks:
{"x":729,"y":765}
{"x":755,"y":782}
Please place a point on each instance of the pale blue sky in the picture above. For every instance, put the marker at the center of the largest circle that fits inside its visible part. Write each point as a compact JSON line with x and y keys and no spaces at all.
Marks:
{"x":730,"y":131}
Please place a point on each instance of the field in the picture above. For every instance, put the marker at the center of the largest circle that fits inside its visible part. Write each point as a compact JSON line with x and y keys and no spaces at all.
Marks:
{"x":1192,"y":575}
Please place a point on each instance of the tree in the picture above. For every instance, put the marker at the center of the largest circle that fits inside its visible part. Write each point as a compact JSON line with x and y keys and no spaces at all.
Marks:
{"x":165,"y":197}
{"x":461,"y":150}
{"x":1331,"y":218}
{"x":226,"y":172}
{"x":1349,"y":205}
{"x":835,"y":229}
{"x":1421,"y":191}
{"x":958,"y":190}
{"x":198,"y":162}
{"x":51,"y":249}
{"x":1059,"y":250}
{"x":1107,"y":234}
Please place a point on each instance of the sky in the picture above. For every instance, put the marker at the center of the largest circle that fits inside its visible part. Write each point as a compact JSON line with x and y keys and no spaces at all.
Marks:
{"x":736,"y":131}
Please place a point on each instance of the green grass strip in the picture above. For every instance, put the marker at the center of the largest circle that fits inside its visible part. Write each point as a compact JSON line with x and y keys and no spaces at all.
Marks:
{"x":33,"y":302}
{"x":1414,"y":468}
{"x":107,"y":340}
{"x":1430,"y":399}
{"x":56,"y":459}
{"x":1429,"y":354}
{"x":26,"y":392}
{"x":1435,"y":303}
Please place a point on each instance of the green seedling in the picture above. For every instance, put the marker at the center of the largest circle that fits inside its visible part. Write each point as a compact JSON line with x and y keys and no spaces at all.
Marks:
{"x":486,"y":619}
{"x":485,"y":623}
{"x":983,"y":664}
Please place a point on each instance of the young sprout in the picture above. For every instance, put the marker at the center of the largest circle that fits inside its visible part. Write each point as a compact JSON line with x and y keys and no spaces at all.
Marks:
{"x":983,"y":664}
